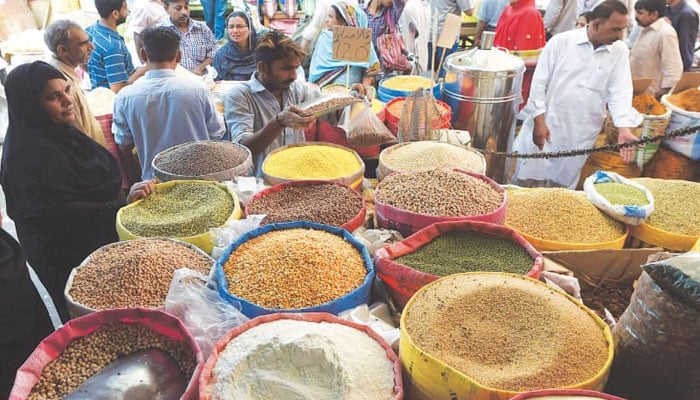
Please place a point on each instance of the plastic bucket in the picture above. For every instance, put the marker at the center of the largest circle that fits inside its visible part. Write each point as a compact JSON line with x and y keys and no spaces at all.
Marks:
{"x":407,"y":222}
{"x":429,"y":378}
{"x":359,"y":295}
{"x":660,"y":238}
{"x":203,"y":240}
{"x":207,"y":378}
{"x":403,"y":281}
{"x":246,"y":168}
{"x":325,"y":132}
{"x":412,"y":82}
{"x":350,"y":226}
{"x":393,"y":118}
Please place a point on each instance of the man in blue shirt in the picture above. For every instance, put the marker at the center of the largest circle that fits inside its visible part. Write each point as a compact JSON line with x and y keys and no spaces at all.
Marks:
{"x":489,"y":13}
{"x":110,"y":63}
{"x":685,"y":20}
{"x":162,"y":110}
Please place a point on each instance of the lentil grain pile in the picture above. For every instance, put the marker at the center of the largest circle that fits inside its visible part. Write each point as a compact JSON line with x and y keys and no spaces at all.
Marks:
{"x":689,"y":99}
{"x":467,"y":251}
{"x":676,"y":205}
{"x":439,"y":192}
{"x":136,"y":273}
{"x":294,"y":268}
{"x":201,"y":158}
{"x":620,"y":194}
{"x":506,"y":332}
{"x":407,"y":83}
{"x":560,"y":215}
{"x":178,"y":210}
{"x":88,"y":355}
{"x":648,"y":105}
{"x":328,"y":204}
{"x":311,"y":162}
{"x":418,"y":156}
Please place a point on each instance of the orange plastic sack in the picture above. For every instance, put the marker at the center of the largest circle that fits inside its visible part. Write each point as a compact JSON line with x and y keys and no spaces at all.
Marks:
{"x":206,"y":379}
{"x":53,"y":345}
{"x":403,"y":281}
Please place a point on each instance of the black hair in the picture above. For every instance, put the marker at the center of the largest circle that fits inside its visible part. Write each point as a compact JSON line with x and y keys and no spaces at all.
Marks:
{"x":604,"y":10}
{"x":161,"y":43}
{"x":651,"y":6}
{"x":105,"y":7}
{"x":274,"y":45}
{"x":169,"y":2}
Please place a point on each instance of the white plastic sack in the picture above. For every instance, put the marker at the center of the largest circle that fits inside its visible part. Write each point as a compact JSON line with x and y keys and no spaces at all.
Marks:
{"x":628,"y":214}
{"x":223,"y":237}
{"x":688,"y":145}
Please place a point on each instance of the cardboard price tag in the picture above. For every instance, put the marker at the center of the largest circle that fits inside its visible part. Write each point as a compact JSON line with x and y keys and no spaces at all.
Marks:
{"x":352,"y":44}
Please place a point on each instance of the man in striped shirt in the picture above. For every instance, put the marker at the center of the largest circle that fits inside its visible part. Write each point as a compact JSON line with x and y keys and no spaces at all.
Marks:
{"x":110,"y":63}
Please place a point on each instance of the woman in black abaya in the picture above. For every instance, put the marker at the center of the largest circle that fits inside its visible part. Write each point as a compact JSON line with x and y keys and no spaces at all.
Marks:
{"x":62,"y":188}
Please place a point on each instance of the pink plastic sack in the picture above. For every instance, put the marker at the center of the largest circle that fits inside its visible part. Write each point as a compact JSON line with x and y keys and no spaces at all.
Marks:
{"x":206,"y":379}
{"x":53,"y":345}
{"x":403,"y":281}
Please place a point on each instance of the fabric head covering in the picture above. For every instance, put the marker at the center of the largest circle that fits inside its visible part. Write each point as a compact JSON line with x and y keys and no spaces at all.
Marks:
{"x":520,"y":27}
{"x":233,"y":63}
{"x":322,"y":61}
{"x":44,"y":162}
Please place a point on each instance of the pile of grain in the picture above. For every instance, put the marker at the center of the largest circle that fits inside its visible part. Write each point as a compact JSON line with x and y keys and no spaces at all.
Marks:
{"x":418,"y":156}
{"x":676,"y":205}
{"x":201,"y":158}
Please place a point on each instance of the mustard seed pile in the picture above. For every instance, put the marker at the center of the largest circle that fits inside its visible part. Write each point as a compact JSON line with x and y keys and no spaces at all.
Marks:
{"x":88,"y":355}
{"x":676,"y":205}
{"x":560,"y":215}
{"x":183,"y":209}
{"x":441,"y":192}
{"x":201,"y":158}
{"x":323,"y":203}
{"x":506,"y":332}
{"x":294,"y":268}
{"x":136,"y":273}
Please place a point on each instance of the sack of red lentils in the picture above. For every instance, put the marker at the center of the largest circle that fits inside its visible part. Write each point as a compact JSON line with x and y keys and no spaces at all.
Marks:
{"x":84,"y":346}
{"x":620,"y":198}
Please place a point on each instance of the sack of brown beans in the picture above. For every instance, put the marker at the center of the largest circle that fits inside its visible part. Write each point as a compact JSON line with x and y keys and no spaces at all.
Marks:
{"x":447,"y":248}
{"x":209,"y":160}
{"x":135,"y":273}
{"x":295,"y":266}
{"x":409,"y":201}
{"x":321,"y":202}
{"x":658,"y":336}
{"x":84,"y":346}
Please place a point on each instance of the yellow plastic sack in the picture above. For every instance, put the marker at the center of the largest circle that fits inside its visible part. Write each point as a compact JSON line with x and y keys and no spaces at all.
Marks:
{"x":661,"y":238}
{"x":203,"y":240}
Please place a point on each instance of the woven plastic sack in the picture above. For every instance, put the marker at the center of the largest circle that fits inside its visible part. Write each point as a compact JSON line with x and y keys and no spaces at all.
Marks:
{"x":53,"y":345}
{"x":657,"y":342}
{"x":365,"y":128}
{"x":403,"y":281}
{"x":419,"y":110}
{"x":207,"y":379}
{"x":628,"y":214}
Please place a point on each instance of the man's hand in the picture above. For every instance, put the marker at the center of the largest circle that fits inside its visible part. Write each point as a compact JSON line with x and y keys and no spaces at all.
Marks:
{"x":294,"y":118}
{"x":540,"y":133}
{"x":625,"y":135}
{"x":140,"y":190}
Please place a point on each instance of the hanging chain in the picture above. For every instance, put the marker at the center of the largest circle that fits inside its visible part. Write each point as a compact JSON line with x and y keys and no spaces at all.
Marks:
{"x":609,"y":147}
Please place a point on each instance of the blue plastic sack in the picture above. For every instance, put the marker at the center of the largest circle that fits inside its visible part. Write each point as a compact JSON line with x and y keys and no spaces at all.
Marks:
{"x":358,"y":296}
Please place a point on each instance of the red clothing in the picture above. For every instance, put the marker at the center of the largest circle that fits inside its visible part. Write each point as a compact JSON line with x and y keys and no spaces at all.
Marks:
{"x":520,"y":27}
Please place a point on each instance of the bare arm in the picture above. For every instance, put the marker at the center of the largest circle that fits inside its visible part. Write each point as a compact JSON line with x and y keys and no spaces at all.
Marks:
{"x":140,"y":71}
{"x":289,"y":118}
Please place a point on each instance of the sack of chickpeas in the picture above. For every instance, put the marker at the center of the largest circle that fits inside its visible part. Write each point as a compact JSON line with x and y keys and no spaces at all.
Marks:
{"x":85,"y":346}
{"x":658,"y":336}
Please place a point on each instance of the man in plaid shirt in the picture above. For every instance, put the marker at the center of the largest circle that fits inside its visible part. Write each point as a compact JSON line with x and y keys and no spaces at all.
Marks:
{"x":197,"y":43}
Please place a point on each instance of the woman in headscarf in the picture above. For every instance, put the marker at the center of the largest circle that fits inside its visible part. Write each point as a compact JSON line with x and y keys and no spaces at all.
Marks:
{"x":324,"y":68}
{"x":62,"y":188}
{"x":235,"y":61}
{"x":520,"y":27}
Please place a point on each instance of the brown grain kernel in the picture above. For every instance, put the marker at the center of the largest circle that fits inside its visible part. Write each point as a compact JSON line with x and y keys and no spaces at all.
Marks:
{"x":201,"y":158}
{"x":324,"y":204}
{"x":136,"y":273}
{"x":294,"y":268}
{"x":440,"y":192}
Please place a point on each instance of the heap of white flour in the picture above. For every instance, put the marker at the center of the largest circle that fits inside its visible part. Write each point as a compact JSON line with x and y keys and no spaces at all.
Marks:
{"x":298,"y":360}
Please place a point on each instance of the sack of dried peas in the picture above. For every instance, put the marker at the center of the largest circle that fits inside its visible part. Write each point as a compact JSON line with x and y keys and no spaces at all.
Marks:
{"x":620,"y":198}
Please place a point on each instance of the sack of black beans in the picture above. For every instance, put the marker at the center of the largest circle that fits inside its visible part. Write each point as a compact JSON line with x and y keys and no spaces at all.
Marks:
{"x":658,"y":337}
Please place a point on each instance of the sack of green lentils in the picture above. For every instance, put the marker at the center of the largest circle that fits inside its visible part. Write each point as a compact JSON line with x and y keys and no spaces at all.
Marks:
{"x":447,"y":248}
{"x":620,"y":198}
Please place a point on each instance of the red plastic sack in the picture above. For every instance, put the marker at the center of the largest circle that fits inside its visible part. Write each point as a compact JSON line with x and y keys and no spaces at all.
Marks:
{"x":53,"y":345}
{"x":350,"y":226}
{"x":325,"y":132}
{"x":407,"y":222}
{"x":206,"y":379}
{"x":403,"y":281}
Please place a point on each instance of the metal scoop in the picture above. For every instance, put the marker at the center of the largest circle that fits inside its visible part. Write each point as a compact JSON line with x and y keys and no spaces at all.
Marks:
{"x":145,"y":375}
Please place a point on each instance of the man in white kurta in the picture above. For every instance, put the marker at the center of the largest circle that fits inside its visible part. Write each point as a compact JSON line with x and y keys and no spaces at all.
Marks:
{"x":578,"y":73}
{"x":655,"y":53}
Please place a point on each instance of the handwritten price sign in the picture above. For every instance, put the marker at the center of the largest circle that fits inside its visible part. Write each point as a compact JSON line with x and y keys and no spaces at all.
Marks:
{"x":351,"y":44}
